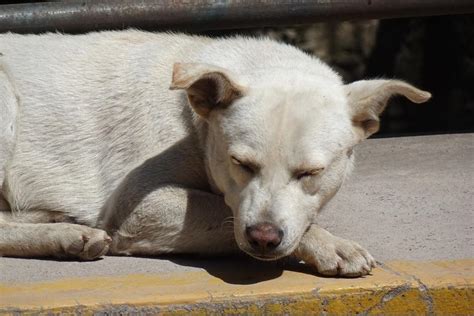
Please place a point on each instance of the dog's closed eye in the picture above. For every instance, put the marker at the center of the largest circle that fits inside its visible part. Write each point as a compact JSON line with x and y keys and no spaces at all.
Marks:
{"x":245,"y":165}
{"x":301,"y":174}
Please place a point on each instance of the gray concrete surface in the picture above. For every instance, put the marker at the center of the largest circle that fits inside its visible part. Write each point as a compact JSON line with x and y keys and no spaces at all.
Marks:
{"x":408,"y":199}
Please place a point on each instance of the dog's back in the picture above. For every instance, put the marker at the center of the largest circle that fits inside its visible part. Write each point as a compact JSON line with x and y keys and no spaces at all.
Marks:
{"x":84,"y":111}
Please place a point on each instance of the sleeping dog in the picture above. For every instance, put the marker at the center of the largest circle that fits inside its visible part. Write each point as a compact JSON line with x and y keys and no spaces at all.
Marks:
{"x":135,"y":143}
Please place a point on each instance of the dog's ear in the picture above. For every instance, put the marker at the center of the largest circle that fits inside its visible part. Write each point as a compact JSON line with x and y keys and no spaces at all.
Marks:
{"x":368,"y":98}
{"x":208,"y":87}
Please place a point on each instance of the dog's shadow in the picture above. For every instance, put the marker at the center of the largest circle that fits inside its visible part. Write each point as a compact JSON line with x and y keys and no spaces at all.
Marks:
{"x":245,"y":270}
{"x":242,"y":270}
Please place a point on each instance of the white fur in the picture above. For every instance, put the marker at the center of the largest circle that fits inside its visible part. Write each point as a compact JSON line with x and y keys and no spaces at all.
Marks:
{"x":97,"y":136}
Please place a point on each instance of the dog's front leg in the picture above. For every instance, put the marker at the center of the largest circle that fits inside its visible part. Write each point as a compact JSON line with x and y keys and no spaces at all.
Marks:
{"x":61,"y":240}
{"x":174,"y":220}
{"x":332,"y":255}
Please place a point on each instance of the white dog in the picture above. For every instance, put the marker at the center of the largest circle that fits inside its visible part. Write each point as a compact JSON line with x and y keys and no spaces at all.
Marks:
{"x":252,"y":139}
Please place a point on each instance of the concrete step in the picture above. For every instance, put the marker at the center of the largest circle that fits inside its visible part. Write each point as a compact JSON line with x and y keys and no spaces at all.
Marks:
{"x":397,"y":287}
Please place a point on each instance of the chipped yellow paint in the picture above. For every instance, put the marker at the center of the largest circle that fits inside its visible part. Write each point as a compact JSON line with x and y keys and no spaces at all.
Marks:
{"x":409,"y":301}
{"x":444,"y":283}
{"x":395,"y":288}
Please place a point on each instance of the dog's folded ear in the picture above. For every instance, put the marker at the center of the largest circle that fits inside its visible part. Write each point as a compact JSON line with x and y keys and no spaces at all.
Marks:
{"x":368,"y":98}
{"x":207,"y":86}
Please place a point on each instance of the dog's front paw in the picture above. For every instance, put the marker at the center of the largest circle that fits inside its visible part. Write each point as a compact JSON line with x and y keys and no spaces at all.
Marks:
{"x":332,"y":255}
{"x":84,"y":242}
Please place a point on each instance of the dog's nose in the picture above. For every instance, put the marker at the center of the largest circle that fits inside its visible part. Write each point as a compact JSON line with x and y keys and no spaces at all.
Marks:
{"x":264,"y":236}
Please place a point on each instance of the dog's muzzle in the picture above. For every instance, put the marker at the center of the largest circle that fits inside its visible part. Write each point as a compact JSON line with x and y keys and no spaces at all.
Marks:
{"x":264,"y":238}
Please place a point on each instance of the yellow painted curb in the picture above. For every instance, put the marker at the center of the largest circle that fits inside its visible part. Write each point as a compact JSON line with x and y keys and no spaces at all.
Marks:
{"x":401,"y":287}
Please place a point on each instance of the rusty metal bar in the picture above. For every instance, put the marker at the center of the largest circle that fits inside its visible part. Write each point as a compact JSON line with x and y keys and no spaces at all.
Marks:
{"x":197,"y":15}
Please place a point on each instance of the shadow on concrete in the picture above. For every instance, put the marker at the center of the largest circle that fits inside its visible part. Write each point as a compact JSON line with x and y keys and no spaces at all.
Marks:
{"x":245,"y":270}
{"x":235,"y":269}
{"x":54,"y":259}
{"x":242,"y":269}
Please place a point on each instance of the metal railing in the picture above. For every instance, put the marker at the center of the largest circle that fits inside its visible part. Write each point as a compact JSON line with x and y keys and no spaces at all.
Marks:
{"x":197,"y":15}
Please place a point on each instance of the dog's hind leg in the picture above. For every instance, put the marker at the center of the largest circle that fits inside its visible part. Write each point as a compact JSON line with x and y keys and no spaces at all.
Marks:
{"x":36,"y":233}
{"x":47,"y":238}
{"x":171,"y":220}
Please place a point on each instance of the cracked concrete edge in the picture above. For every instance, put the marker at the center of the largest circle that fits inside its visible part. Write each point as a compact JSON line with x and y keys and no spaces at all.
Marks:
{"x":397,"y":287}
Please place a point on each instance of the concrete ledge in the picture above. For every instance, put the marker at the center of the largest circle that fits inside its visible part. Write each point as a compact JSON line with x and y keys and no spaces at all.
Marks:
{"x":397,"y":287}
{"x":409,"y":199}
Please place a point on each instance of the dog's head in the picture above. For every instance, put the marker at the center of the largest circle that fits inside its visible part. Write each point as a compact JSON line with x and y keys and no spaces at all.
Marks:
{"x":279,"y":143}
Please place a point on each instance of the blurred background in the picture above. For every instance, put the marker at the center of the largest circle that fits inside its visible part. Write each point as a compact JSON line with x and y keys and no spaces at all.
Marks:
{"x":434,"y":53}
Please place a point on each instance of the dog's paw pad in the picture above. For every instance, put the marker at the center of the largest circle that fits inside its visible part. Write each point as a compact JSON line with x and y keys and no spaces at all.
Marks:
{"x":95,"y":249}
{"x":88,"y":244}
{"x":76,"y":247}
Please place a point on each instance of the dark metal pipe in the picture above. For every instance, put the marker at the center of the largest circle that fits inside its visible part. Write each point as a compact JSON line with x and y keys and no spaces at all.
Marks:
{"x":197,"y":15}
